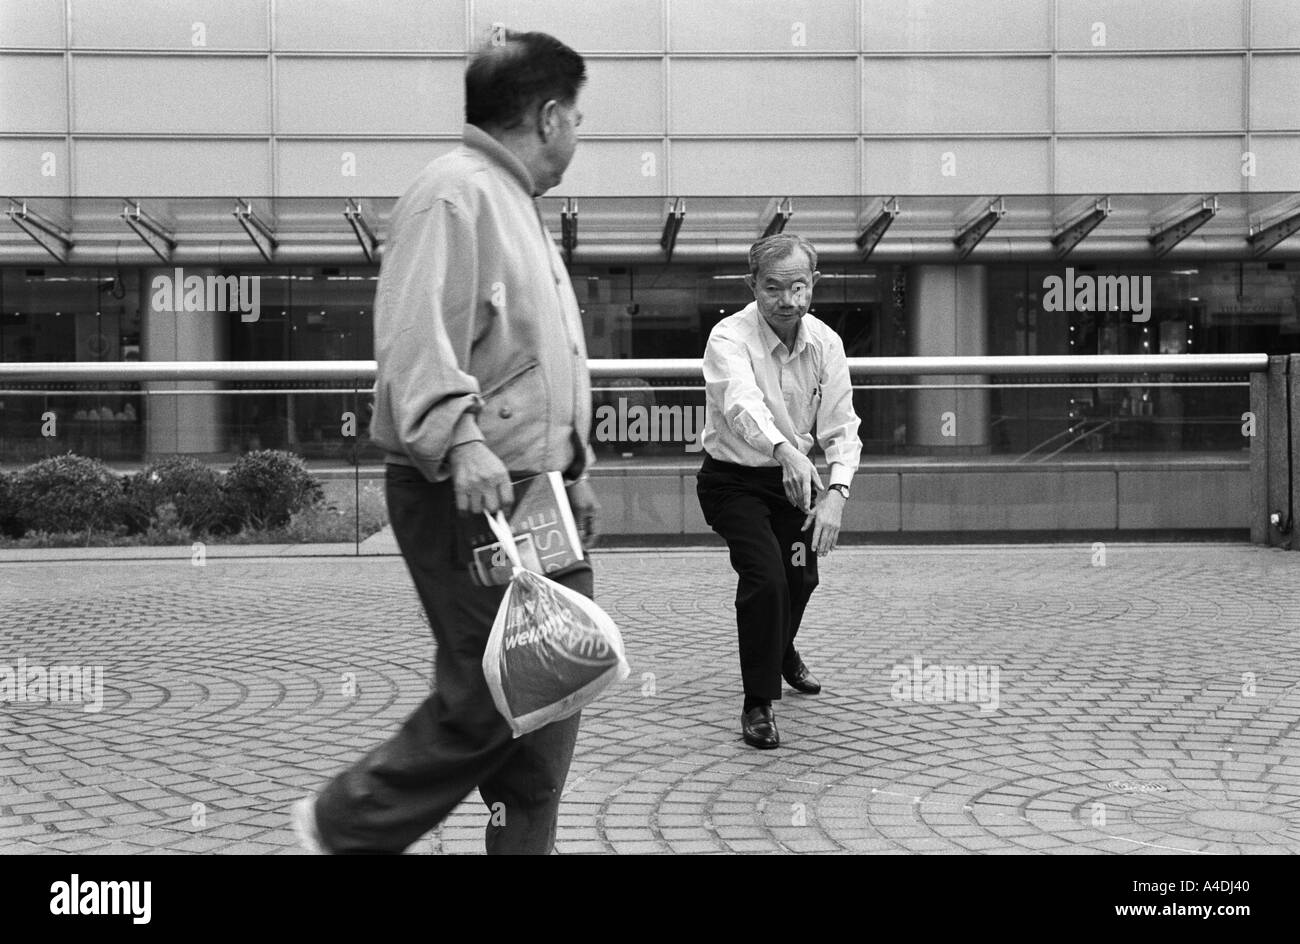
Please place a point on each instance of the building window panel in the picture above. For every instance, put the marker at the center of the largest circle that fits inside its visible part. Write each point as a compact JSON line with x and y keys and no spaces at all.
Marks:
{"x":1150,"y":93}
{"x":956,"y":95}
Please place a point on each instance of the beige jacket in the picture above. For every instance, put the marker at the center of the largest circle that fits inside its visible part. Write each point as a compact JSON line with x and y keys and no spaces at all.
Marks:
{"x":477,"y":331}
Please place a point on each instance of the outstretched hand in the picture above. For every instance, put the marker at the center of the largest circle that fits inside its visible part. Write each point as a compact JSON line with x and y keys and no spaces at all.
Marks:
{"x":825,"y":519}
{"x":799,"y":477}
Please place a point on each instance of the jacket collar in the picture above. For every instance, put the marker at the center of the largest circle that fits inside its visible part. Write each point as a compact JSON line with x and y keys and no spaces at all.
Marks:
{"x":478,"y":139}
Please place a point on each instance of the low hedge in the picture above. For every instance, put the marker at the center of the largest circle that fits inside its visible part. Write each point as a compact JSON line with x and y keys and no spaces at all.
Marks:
{"x":193,"y":489}
{"x":9,"y":526}
{"x":67,"y":493}
{"x":263,"y":489}
{"x":76,"y":494}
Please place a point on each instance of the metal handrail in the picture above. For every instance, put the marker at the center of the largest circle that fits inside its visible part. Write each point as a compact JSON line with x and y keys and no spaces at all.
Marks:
{"x":161,"y":371}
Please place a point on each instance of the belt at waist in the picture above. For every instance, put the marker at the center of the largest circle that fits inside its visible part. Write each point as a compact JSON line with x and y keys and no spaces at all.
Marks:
{"x":402,"y":462}
{"x":757,"y":471}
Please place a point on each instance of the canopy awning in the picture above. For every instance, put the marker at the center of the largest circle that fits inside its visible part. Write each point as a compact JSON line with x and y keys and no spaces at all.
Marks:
{"x":982,"y":228}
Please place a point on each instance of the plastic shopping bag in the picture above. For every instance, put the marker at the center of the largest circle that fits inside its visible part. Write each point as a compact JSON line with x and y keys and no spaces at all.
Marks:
{"x":551,"y":652}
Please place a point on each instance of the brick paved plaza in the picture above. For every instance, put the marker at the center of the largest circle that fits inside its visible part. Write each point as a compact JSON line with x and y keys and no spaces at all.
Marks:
{"x":1145,"y":706}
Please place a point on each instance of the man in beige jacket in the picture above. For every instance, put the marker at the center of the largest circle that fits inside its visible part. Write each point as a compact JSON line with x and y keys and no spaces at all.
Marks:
{"x":482,"y":378}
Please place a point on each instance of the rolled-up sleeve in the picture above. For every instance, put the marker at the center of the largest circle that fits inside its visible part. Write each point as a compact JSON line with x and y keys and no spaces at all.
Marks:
{"x":424,"y":333}
{"x":837,"y":423}
{"x":729,"y":382}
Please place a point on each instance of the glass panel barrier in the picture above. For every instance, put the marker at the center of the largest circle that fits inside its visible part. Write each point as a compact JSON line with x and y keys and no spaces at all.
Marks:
{"x":645,"y":423}
{"x":1025,"y":418}
{"x":334,"y":498}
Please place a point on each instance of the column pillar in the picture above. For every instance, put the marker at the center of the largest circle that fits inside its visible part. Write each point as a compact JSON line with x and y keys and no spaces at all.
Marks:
{"x":1275,"y":454}
{"x":947,"y":314}
{"x":191,"y":424}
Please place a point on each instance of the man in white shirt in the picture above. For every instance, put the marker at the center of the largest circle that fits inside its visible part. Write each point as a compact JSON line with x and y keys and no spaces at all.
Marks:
{"x":776,"y":381}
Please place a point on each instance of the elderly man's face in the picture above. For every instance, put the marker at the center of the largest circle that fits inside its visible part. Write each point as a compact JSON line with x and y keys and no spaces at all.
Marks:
{"x":560,"y":122}
{"x":783,"y":290}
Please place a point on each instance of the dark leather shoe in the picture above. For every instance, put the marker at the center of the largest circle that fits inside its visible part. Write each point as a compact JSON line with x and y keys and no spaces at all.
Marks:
{"x":758,"y":727}
{"x":801,"y":680}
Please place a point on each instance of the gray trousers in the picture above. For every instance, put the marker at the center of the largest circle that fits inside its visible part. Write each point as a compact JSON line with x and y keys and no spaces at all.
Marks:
{"x":456,"y":740}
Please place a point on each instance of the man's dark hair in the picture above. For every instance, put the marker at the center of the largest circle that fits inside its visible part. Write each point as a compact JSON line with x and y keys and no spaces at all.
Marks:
{"x":771,"y":249}
{"x":516,"y":72}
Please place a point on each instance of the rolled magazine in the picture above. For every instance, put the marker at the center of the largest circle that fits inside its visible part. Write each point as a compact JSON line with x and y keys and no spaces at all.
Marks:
{"x":546,"y":536}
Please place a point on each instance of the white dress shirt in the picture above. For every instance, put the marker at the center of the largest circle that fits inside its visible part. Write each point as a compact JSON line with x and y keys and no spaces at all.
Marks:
{"x":758,"y":394}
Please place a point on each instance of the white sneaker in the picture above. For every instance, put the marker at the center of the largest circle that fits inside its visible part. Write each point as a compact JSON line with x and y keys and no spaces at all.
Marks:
{"x":303,"y":817}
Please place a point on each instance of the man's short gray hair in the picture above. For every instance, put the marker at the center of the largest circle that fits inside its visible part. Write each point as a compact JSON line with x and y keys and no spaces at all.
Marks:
{"x":771,"y":249}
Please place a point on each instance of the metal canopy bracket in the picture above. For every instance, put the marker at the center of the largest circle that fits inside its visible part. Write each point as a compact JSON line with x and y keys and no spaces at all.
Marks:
{"x":1169,"y":236}
{"x":362,"y":229}
{"x":673,"y":226}
{"x":1066,"y":239}
{"x":569,"y":228}
{"x":875,"y":230}
{"x":969,"y":236}
{"x":48,"y":236}
{"x":784,"y":210}
{"x":156,"y":236}
{"x":260,"y":233}
{"x":1266,"y":237}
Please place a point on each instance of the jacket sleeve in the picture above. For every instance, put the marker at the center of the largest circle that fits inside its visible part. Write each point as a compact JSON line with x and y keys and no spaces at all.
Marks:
{"x":425,"y":330}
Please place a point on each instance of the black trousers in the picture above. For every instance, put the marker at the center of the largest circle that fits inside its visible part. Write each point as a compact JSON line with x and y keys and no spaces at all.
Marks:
{"x":456,"y":740}
{"x":773,"y":559}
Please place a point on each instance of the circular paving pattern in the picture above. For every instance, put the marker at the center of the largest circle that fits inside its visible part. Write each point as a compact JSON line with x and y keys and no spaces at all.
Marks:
{"x":974,"y":700}
{"x":1238,"y":821}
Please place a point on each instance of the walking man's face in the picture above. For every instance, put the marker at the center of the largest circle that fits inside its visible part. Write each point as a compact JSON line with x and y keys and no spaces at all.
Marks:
{"x":783,"y":291}
{"x":558,"y":124}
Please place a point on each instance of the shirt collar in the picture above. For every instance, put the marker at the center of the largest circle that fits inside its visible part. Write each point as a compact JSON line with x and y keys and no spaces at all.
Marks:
{"x":478,"y":139}
{"x":770,"y":340}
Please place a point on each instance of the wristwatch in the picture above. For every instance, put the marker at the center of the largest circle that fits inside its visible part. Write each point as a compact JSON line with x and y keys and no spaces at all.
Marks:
{"x":842,"y":489}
